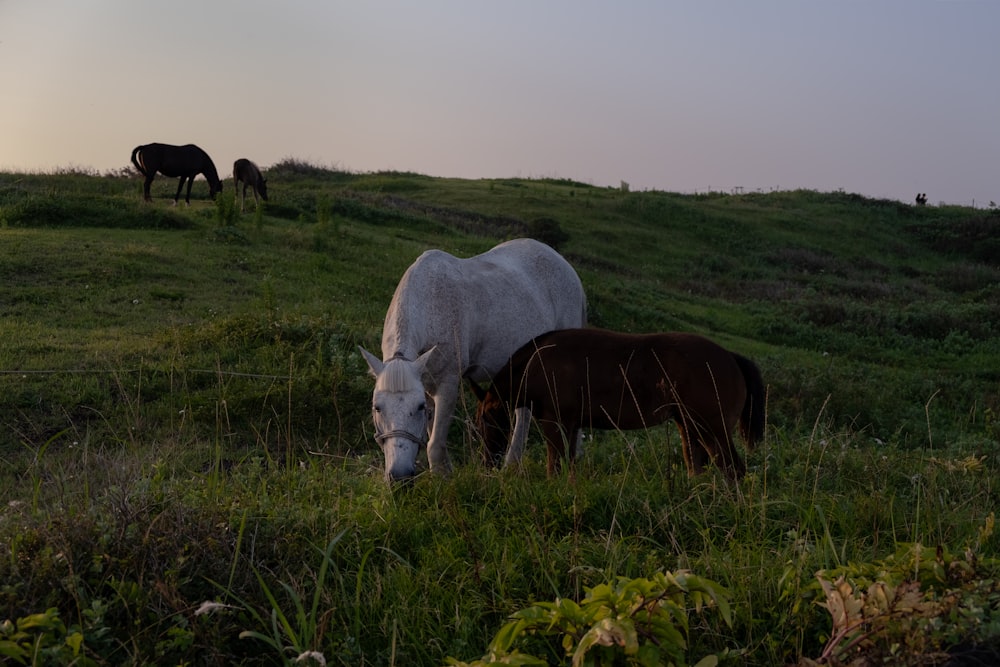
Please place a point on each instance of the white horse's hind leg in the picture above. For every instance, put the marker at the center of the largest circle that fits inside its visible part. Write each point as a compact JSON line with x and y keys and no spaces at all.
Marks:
{"x":522,"y":422}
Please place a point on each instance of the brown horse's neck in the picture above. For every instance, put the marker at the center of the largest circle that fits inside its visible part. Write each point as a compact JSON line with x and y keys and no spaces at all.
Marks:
{"x":210,"y":173}
{"x":508,"y":385}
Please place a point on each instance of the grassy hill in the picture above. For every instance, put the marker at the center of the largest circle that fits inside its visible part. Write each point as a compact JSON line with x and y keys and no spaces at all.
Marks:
{"x":184,"y":415}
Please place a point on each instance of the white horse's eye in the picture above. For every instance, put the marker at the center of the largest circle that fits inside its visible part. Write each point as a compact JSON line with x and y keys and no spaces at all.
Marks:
{"x":376,"y":409}
{"x":421,"y":407}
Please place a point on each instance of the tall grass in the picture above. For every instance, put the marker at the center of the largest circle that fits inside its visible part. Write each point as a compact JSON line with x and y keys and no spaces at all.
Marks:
{"x":416,"y":574}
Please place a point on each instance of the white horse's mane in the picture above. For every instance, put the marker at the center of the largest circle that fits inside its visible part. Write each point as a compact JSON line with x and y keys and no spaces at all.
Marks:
{"x":397,"y":376}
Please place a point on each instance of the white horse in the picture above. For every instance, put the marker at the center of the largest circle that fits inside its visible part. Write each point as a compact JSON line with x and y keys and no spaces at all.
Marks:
{"x":454,"y":317}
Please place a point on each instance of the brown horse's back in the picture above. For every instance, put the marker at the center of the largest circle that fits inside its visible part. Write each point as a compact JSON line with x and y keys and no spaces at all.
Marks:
{"x":619,"y":380}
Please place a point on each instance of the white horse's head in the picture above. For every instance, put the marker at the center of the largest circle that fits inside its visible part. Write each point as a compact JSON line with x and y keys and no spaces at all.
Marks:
{"x":399,"y":411}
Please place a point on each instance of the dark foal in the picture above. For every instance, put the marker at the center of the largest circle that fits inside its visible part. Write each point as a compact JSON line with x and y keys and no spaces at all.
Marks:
{"x":246,"y":172}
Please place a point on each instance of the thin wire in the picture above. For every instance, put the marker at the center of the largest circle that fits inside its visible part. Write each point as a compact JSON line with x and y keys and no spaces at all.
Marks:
{"x":139,"y":370}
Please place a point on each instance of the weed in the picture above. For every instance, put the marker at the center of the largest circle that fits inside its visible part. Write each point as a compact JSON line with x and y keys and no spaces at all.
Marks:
{"x":293,"y":636}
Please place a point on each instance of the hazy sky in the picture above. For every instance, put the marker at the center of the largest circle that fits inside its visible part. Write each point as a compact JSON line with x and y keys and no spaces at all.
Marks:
{"x":887,"y":98}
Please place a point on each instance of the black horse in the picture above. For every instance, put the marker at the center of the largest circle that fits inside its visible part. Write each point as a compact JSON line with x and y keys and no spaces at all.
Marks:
{"x":183,"y":161}
{"x":246,"y":171}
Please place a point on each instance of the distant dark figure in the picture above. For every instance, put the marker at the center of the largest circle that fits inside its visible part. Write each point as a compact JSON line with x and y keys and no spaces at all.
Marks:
{"x":183,"y":161}
{"x":246,"y":171}
{"x":922,"y":199}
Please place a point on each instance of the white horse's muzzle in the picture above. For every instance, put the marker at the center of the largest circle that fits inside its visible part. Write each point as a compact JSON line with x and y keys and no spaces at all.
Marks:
{"x":400,"y":448}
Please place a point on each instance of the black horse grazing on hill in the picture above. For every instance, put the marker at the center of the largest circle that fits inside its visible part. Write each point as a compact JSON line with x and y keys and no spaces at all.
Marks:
{"x":246,"y":171}
{"x":183,"y":161}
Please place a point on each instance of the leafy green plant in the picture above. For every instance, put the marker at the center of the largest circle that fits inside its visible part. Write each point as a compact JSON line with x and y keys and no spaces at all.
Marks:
{"x":227,"y":213}
{"x":640,"y":621}
{"x":42,"y":639}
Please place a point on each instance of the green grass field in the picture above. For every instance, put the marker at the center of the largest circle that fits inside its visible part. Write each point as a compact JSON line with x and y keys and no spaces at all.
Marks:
{"x":184,"y":418}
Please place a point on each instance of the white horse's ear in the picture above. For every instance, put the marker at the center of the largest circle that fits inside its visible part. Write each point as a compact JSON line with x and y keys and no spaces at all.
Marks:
{"x":425,"y":365}
{"x":375,"y":364}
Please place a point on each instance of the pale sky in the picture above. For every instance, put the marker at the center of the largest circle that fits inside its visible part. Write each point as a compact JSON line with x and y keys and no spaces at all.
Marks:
{"x":886,"y":98}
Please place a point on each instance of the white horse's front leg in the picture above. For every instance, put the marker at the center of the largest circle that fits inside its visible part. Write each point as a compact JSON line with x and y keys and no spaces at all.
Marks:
{"x":437,"y":444}
{"x":522,"y":423}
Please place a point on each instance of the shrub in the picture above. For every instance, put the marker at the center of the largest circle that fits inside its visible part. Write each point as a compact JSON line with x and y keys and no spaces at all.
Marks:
{"x":915,"y":608}
{"x":548,"y":231}
{"x":631,"y":621}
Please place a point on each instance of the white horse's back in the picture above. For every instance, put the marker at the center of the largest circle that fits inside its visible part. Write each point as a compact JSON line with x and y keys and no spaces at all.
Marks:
{"x":479,"y":310}
{"x":475,"y":313}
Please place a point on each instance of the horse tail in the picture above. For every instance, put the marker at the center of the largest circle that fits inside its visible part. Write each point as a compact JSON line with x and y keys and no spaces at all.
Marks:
{"x":754,"y":415}
{"x":138,"y":161}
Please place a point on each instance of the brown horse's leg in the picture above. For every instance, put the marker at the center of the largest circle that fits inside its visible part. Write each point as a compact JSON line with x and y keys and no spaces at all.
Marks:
{"x":573,"y":437}
{"x":717,"y":431}
{"x":555,"y":441}
{"x":731,"y":463}
{"x":180,"y":186}
{"x":145,"y":186}
{"x":696,"y":456}
{"x":686,"y":450}
{"x":717,"y":441}
{"x":739,"y":468}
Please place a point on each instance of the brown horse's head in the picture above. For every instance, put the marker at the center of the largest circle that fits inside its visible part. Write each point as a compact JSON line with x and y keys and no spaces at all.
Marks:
{"x":492,"y":424}
{"x":214,"y":187}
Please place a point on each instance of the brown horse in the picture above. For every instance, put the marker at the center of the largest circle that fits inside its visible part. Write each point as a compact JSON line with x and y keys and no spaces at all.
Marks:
{"x":247,"y":172}
{"x":183,"y":161}
{"x":593,"y":378}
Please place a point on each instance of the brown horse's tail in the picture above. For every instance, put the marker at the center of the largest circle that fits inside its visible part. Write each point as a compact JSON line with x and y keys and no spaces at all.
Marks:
{"x":754,"y":414}
{"x":137,"y":162}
